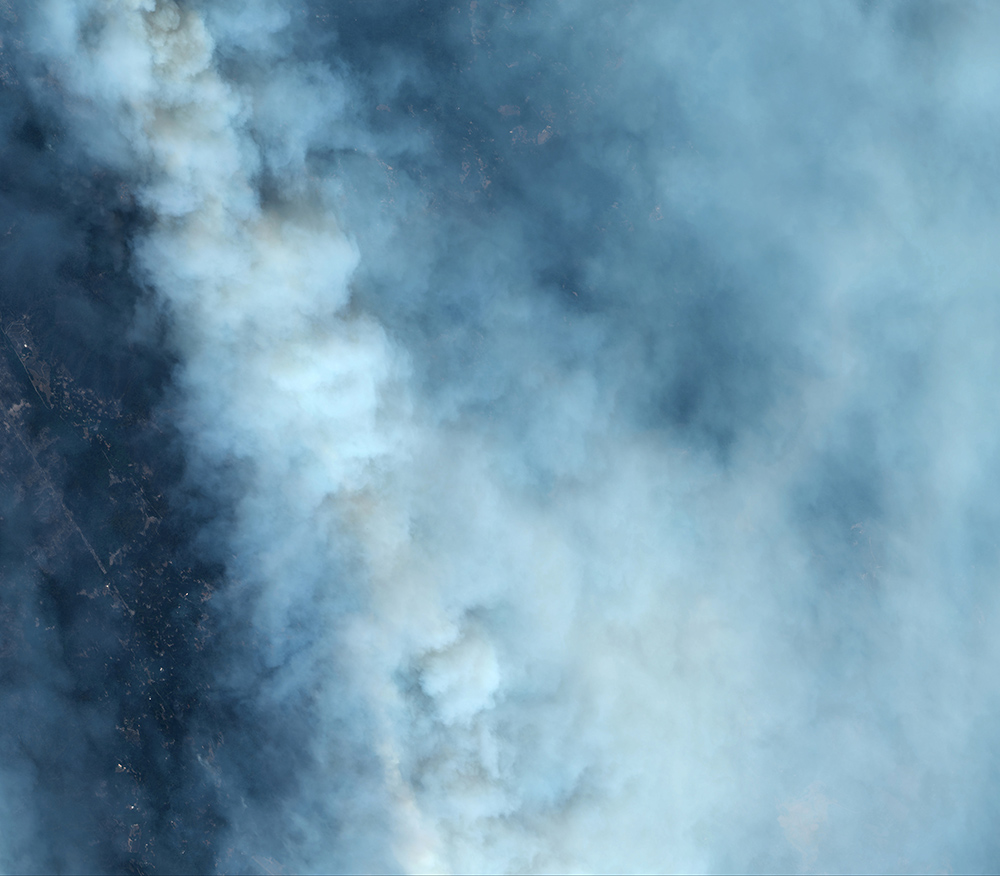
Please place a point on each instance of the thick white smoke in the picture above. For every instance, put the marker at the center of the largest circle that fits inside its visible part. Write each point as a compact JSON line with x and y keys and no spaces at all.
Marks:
{"x":651,"y":662}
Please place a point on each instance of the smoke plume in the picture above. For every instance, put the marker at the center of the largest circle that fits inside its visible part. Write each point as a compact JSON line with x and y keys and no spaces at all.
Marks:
{"x":531,"y":436}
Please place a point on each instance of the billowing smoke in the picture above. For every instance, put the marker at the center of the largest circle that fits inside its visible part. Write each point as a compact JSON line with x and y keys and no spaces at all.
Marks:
{"x":548,"y":436}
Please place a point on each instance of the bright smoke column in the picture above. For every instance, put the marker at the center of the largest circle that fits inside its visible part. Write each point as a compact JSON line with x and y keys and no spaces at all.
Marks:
{"x":603,"y":597}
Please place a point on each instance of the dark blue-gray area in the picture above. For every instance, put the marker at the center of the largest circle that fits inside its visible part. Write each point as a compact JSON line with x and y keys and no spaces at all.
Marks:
{"x":103,"y":622}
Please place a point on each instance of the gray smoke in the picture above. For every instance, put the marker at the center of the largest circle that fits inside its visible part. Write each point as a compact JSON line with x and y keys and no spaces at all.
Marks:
{"x":595,"y":402}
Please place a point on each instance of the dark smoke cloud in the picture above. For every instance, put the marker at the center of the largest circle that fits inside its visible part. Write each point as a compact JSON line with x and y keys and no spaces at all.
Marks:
{"x":572,"y":428}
